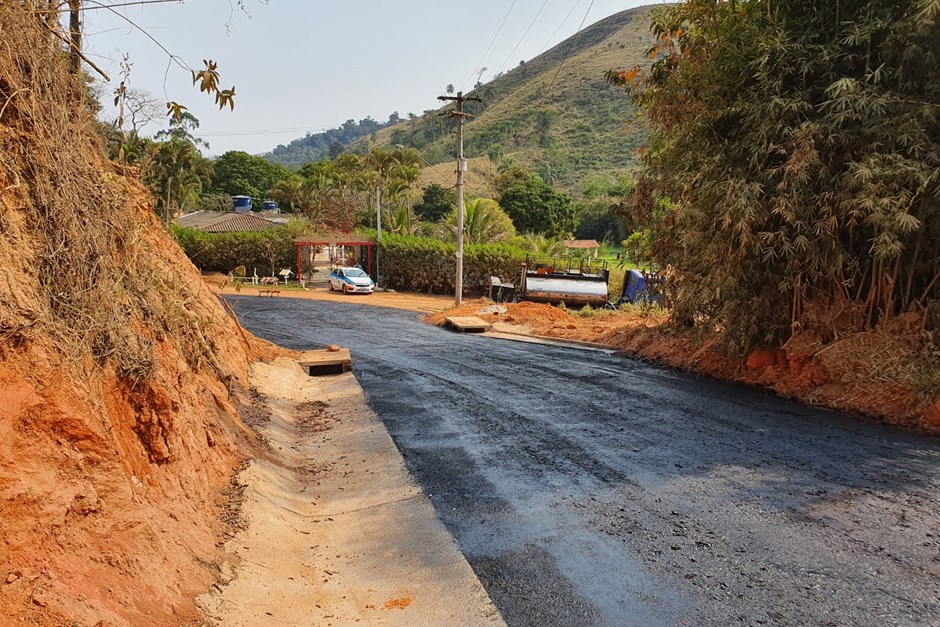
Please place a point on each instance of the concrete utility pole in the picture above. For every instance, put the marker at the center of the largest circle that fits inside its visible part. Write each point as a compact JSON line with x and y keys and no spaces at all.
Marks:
{"x":460,"y":116}
{"x":378,"y":231}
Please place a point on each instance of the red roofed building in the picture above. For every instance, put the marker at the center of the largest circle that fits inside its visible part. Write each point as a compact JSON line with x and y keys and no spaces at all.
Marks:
{"x":588,"y":246}
{"x":224,"y":222}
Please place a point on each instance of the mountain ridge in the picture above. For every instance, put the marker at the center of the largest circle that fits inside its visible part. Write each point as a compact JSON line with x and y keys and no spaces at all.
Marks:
{"x":555,"y":114}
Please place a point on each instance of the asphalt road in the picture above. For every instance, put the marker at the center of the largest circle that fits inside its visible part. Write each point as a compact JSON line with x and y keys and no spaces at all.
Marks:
{"x":586,"y":488}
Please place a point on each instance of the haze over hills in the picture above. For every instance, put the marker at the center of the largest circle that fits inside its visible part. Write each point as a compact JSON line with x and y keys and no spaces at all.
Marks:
{"x":555,"y":114}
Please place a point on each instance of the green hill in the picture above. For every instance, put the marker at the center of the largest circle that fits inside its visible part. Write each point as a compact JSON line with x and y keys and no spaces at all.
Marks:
{"x":555,"y":114}
{"x":317,"y":146}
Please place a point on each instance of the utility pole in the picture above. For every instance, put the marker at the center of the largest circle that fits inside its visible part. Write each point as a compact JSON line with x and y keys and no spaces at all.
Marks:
{"x":378,"y":231}
{"x":460,"y":116}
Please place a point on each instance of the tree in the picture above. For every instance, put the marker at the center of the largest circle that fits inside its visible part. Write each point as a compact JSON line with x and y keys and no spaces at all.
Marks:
{"x":601,"y":210}
{"x":495,"y":153}
{"x":510,"y":176}
{"x":208,"y":78}
{"x":544,"y":119}
{"x":598,"y":220}
{"x":182,"y":128}
{"x":436,"y":203}
{"x":537,"y":208}
{"x":484,"y":222}
{"x":542,"y":246}
{"x":141,"y":108}
{"x":798,"y":144}
{"x":177,"y":175}
{"x":289,"y":192}
{"x":239,"y":174}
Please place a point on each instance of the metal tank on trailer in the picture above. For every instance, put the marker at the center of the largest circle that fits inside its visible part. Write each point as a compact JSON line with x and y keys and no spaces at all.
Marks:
{"x":571,"y":280}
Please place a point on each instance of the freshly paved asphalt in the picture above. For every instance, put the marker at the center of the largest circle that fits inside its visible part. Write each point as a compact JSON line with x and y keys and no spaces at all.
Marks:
{"x":587,"y":488}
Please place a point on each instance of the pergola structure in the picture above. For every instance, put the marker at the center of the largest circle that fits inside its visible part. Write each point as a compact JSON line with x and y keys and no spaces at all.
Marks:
{"x":332,"y":240}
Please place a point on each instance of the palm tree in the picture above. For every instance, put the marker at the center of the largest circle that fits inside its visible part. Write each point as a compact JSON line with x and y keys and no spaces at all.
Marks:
{"x":290,"y":191}
{"x":495,"y":153}
{"x":400,"y":207}
{"x":542,"y":246}
{"x":177,"y":174}
{"x":485,"y":222}
{"x":318,"y":191}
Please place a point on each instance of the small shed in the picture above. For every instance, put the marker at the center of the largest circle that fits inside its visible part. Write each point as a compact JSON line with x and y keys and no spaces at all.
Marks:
{"x":588,"y":247}
{"x":224,"y":222}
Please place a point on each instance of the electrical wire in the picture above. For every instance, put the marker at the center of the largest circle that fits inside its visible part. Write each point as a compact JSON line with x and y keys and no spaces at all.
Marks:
{"x":120,"y":4}
{"x":269,"y":131}
{"x":552,"y":36}
{"x":521,"y":39}
{"x":492,"y":41}
{"x":574,"y":39}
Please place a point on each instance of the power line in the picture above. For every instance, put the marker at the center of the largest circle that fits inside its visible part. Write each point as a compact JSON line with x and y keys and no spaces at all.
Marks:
{"x":521,"y":39}
{"x":117,"y":5}
{"x":269,"y":131}
{"x":493,"y":41}
{"x":552,"y":36}
{"x":574,"y":38}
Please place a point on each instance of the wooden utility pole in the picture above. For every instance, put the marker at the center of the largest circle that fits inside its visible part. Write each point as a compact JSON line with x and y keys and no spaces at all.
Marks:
{"x":460,"y":116}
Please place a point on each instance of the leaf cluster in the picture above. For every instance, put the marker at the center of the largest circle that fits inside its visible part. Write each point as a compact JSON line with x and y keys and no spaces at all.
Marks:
{"x":268,"y":250}
{"x":799,"y":143}
{"x":420,"y":264}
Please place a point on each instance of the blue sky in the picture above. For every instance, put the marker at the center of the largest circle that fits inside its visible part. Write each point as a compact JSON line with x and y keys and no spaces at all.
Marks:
{"x":308,"y":65}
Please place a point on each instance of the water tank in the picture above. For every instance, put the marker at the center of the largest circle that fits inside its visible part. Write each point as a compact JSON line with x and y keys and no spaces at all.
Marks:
{"x":242,"y":203}
{"x":269,"y":205}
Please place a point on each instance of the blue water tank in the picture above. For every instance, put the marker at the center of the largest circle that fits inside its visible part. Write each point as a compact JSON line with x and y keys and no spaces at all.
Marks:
{"x":242,"y":203}
{"x":269,"y":205}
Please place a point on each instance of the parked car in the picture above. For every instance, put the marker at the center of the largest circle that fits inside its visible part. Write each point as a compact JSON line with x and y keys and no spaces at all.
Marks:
{"x":351,"y":281}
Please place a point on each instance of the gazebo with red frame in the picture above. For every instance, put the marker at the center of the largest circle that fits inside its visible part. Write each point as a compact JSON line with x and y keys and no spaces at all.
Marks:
{"x":333,"y":240}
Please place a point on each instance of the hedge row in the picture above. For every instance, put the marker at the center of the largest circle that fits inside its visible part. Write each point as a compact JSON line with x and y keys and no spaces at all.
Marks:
{"x":267,"y":251}
{"x":418,"y":264}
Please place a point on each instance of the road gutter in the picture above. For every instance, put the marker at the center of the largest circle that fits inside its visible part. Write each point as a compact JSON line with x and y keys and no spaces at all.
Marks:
{"x":337,"y":531}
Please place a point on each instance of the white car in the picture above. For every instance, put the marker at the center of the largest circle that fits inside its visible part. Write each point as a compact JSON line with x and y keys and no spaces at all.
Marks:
{"x":351,"y":281}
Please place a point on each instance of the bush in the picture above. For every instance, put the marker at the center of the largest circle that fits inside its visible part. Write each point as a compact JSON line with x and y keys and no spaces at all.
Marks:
{"x":264,"y":251}
{"x":420,"y":264}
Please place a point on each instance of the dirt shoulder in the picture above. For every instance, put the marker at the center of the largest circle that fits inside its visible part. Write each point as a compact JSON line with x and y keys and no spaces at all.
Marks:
{"x":423,"y":303}
{"x":873,"y":373}
{"x":333,"y":528}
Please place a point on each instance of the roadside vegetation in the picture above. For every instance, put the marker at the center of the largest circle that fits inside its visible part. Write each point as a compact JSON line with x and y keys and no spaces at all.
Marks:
{"x":813,"y":139}
{"x":790,"y":182}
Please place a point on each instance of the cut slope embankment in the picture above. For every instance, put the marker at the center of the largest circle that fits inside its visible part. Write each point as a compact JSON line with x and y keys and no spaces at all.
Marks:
{"x":120,"y":372}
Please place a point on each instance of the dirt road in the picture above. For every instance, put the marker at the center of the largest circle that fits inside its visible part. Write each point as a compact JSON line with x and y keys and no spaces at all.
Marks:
{"x":587,"y":488}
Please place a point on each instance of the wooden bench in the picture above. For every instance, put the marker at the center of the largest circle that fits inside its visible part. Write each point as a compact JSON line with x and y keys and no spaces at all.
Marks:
{"x":269,"y":286}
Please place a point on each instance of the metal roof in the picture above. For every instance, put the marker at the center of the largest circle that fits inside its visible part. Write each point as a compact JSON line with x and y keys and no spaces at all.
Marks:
{"x":224,"y":222}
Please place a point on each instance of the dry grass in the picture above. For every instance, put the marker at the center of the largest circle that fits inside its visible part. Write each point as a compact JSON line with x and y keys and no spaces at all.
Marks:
{"x":89,"y":277}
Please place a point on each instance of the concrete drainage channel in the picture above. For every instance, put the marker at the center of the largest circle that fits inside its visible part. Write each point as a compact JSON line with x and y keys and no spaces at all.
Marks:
{"x":334,"y":528}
